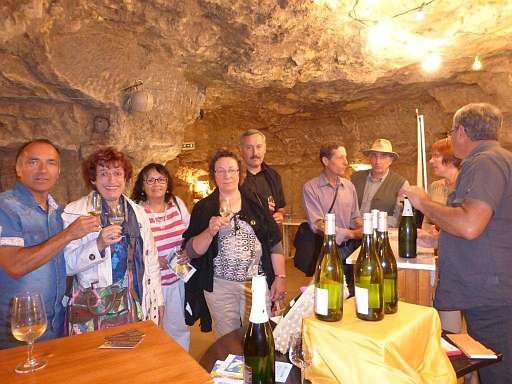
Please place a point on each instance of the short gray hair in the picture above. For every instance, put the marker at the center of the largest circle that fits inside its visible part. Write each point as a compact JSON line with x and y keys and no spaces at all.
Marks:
{"x":251,"y":132}
{"x":481,"y":121}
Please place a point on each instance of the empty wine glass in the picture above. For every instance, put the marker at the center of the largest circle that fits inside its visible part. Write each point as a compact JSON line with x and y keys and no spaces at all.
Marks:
{"x":28,"y":322}
{"x":94,"y":204}
{"x":299,"y":356}
{"x":225,"y":207}
{"x":116,"y":215}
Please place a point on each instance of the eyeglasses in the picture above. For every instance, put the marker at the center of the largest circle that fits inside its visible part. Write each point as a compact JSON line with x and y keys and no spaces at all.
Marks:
{"x":224,"y":172}
{"x":449,"y":133}
{"x":159,"y":180}
{"x":105,"y":174}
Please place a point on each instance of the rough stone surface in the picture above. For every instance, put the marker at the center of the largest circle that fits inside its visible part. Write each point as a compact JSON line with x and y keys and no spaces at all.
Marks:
{"x":303,"y":71}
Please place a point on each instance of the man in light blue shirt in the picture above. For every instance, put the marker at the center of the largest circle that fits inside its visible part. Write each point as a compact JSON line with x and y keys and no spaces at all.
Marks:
{"x":32,"y":239}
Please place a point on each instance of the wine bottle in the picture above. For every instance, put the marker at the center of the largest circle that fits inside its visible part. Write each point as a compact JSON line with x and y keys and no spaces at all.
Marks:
{"x":259,"y":349}
{"x":407,"y":232}
{"x":375,"y":223}
{"x":388,"y":263}
{"x":329,"y":276}
{"x":368,"y":277}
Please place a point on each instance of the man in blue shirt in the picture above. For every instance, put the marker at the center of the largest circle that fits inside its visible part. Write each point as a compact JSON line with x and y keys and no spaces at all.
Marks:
{"x":32,"y":238}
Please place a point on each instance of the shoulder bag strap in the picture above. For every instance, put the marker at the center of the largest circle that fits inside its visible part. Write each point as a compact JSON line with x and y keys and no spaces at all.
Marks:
{"x":335,"y":196}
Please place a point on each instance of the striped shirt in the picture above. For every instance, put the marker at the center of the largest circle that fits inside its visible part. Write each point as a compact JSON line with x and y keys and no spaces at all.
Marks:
{"x":167,"y":228}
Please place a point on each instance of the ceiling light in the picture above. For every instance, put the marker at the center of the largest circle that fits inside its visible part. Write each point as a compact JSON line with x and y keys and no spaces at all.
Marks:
{"x":360,"y":166}
{"x":431,"y":63}
{"x":477,"y":64}
{"x":420,"y":14}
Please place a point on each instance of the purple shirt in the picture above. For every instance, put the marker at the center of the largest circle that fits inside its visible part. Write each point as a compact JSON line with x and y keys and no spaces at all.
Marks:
{"x":318,"y":195}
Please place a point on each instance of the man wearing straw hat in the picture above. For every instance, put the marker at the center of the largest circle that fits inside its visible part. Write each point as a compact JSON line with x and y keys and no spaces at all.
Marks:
{"x":378,"y":187}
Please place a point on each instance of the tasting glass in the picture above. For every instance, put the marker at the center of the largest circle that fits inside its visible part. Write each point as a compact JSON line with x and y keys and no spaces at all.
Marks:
{"x":94,"y":204}
{"x":299,"y":356}
{"x":225,"y":207}
{"x":116,"y":215}
{"x":28,"y":322}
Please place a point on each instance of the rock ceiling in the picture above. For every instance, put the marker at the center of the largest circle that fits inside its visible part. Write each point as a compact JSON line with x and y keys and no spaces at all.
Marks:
{"x":64,"y":63}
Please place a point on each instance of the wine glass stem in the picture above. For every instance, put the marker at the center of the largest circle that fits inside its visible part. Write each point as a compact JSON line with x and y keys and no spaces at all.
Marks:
{"x":29,"y":354}
{"x":302,"y":375}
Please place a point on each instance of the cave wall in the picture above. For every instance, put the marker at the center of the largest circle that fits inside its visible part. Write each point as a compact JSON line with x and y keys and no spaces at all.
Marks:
{"x":293,"y":141}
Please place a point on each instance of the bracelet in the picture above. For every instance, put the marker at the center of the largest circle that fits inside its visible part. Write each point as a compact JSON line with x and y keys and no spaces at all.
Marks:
{"x":281,"y":276}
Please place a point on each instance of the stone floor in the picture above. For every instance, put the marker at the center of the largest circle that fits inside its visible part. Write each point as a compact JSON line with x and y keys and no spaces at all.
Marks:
{"x":201,"y":341}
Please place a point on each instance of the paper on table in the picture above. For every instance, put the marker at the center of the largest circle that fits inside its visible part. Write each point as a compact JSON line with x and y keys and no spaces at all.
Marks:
{"x":471,"y":348}
{"x":282,"y":371}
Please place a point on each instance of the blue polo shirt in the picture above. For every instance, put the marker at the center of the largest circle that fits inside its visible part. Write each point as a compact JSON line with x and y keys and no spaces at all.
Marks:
{"x":24,"y":223}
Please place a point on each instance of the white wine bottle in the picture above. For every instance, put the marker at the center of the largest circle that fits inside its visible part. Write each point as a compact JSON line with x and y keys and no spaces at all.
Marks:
{"x":368,"y":277}
{"x":407,"y":232}
{"x":388,"y":263}
{"x":329,"y":276}
{"x":259,"y":349}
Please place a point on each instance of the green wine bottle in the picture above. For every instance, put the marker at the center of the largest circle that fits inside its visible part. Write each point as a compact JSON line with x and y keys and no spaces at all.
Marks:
{"x":375,"y":223}
{"x":259,"y":349}
{"x":329,"y":276}
{"x":368,"y":277}
{"x":388,"y":263}
{"x":407,"y":232}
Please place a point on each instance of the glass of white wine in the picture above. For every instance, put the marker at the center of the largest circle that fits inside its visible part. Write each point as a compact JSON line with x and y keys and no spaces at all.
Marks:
{"x":116,"y":215}
{"x":28,"y":322}
{"x":94,"y":204}
{"x":225,"y":208}
{"x":299,"y":356}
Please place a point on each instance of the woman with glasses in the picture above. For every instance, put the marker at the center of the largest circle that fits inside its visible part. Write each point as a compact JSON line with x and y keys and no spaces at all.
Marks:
{"x":230,"y":239}
{"x":116,"y":268}
{"x":169,"y":218}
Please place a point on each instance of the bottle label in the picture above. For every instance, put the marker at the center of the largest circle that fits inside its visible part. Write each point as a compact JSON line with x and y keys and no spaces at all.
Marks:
{"x":321,"y":301}
{"x":330,"y":224}
{"x":361,"y":300}
{"x":407,"y":208}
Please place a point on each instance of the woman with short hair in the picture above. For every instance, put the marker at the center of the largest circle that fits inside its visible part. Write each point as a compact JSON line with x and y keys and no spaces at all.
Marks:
{"x":229,"y":249}
{"x":120,"y":258}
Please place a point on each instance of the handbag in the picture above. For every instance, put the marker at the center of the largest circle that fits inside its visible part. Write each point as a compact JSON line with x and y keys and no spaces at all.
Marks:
{"x":308,"y":245}
{"x":92,"y":308}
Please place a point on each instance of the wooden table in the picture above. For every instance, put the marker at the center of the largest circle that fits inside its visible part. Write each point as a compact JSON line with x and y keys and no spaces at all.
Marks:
{"x":233,"y":343}
{"x":77,"y":359}
{"x":289,"y":227}
{"x":416,"y":276}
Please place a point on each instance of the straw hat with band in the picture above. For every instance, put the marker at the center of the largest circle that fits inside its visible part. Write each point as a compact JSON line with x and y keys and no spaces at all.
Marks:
{"x":383,"y":146}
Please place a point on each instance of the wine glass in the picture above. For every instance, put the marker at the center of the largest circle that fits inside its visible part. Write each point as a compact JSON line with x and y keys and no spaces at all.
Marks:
{"x":28,"y":322}
{"x":299,"y":356}
{"x":225,"y":207}
{"x":270,"y":200}
{"x":116,"y":215}
{"x":94,"y":204}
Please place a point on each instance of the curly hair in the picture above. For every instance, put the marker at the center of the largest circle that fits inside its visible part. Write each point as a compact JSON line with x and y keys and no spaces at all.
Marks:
{"x":223,"y":152}
{"x":106,"y":157}
{"x":138,"y":194}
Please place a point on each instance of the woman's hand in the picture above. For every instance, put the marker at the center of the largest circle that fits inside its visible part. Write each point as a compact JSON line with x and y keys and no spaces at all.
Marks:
{"x":108,"y":236}
{"x":278,"y":289}
{"x":182,"y":257}
{"x":162,"y":260}
{"x":216,"y":223}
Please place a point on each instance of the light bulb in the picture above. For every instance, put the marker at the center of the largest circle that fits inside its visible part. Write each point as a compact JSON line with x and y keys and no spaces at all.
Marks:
{"x":477,"y":64}
{"x":420,"y":14}
{"x":431,"y":63}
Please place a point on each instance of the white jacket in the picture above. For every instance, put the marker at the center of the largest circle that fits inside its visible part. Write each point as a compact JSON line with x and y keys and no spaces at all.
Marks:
{"x":84,"y":259}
